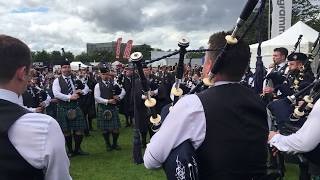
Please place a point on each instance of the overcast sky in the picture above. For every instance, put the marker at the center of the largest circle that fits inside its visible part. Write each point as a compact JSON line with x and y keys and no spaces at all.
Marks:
{"x":52,"y":24}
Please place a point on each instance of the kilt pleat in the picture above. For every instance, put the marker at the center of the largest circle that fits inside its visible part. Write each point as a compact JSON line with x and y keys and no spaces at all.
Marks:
{"x":102,"y":122}
{"x":66,"y":124}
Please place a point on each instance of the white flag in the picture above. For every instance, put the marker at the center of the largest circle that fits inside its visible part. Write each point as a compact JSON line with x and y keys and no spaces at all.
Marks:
{"x":315,"y":2}
{"x":281,"y":16}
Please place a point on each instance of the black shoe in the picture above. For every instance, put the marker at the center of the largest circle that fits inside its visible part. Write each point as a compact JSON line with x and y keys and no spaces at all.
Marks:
{"x":81,"y":153}
{"x":116,"y":147}
{"x":109,"y":148}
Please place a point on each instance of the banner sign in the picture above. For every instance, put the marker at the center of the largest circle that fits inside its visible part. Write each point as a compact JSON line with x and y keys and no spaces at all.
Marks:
{"x":127,"y":50}
{"x":281,"y":16}
{"x":118,"y":46}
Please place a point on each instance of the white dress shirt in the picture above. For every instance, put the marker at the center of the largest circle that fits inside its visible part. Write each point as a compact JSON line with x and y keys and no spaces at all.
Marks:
{"x":305,"y":139}
{"x":56,"y":89}
{"x":39,"y":140}
{"x":97,"y":94}
{"x":186,"y":120}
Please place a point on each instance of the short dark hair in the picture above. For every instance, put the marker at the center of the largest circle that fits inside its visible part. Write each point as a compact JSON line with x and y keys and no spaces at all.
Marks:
{"x":282,"y":50}
{"x":236,"y":59}
{"x":13,"y":55}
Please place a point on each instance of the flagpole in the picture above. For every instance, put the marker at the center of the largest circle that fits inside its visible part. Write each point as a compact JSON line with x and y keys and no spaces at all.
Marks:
{"x":269,"y":21}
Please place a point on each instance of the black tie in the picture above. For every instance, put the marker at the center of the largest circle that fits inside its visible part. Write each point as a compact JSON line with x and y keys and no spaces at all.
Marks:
{"x":70,"y":90}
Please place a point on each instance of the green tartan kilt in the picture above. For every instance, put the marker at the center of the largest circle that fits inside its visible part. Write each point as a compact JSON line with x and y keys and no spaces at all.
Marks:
{"x":102,"y":122}
{"x":68,"y":125}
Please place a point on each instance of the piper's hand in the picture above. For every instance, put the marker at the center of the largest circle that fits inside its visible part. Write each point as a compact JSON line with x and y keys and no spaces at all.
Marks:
{"x":268,"y":90}
{"x":79,"y":91}
{"x":144,"y":97}
{"x":300,"y":103}
{"x":275,"y":151}
{"x":42,"y":104}
{"x":112,"y":101}
{"x":74,"y":97}
{"x":39,"y":109}
{"x":117,"y":98}
{"x":271,"y":134}
{"x":152,"y":93}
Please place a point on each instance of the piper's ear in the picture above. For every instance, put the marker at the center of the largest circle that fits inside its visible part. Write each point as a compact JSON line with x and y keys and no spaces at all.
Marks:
{"x":207,"y":66}
{"x":22,"y":73}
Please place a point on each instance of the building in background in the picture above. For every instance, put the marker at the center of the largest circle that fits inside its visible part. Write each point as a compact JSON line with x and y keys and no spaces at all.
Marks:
{"x":171,"y":61}
{"x":108,"y":46}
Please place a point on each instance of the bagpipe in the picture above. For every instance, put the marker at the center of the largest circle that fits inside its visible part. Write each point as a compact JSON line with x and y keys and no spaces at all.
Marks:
{"x":120,"y":79}
{"x":176,"y":90}
{"x":79,"y":86}
{"x":298,"y":76}
{"x":40,"y":95}
{"x":291,"y":112}
{"x":276,"y":79}
{"x":116,"y":91}
{"x":308,"y":101}
{"x":150,"y":102}
{"x":284,"y":109}
{"x":182,"y":161}
{"x":35,"y":94}
{"x":247,"y":79}
{"x":290,"y":118}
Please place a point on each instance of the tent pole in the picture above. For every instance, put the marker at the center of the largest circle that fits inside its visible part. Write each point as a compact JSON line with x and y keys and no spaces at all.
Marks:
{"x":269,"y":21}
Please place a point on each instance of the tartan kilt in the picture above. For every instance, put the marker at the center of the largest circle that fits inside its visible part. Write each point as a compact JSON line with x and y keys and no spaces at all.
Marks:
{"x":113,"y":123}
{"x":67,"y":125}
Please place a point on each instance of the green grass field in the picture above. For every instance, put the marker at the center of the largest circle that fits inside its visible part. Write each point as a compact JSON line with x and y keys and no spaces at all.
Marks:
{"x":118,"y":165}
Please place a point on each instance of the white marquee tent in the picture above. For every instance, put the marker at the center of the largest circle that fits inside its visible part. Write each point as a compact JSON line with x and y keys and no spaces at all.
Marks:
{"x":287,"y":39}
{"x":75,"y":65}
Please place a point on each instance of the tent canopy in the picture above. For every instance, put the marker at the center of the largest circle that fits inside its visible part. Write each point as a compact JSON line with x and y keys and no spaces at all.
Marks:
{"x":75,"y":65}
{"x":116,"y":64}
{"x":287,"y":39}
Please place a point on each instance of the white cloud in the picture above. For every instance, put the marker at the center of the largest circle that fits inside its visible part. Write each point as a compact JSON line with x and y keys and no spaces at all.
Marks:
{"x":73,"y":23}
